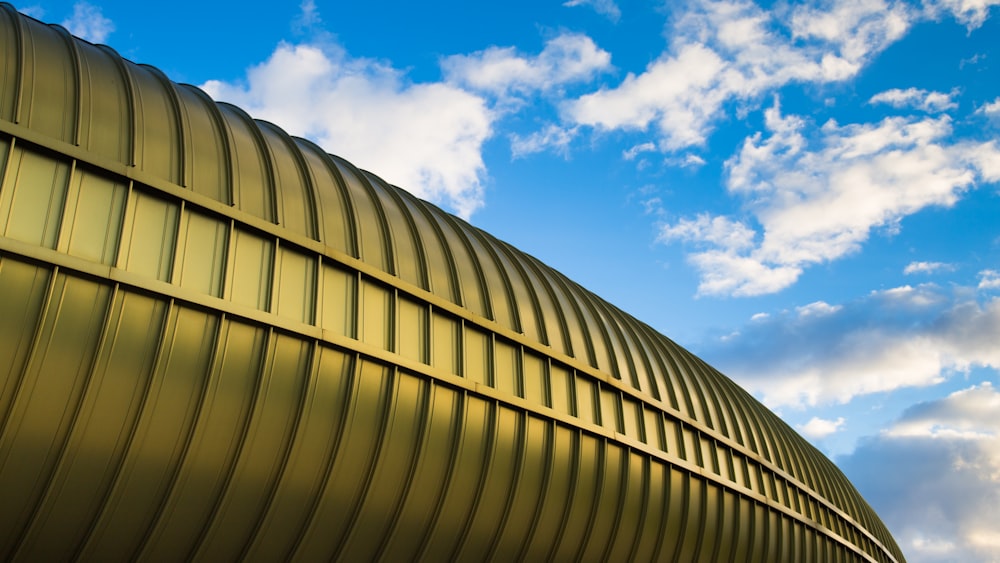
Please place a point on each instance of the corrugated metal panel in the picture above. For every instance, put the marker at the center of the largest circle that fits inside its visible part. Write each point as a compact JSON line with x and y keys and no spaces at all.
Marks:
{"x":218,"y":342}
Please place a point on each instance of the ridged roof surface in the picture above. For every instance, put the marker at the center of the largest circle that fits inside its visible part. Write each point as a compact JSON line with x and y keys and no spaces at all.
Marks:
{"x":134,"y":207}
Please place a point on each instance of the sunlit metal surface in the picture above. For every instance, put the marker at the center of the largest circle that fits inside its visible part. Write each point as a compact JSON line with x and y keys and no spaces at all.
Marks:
{"x":219,"y":342}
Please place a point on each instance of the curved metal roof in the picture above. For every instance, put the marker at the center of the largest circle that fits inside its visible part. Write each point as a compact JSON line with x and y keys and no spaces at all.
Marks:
{"x":226,"y":342}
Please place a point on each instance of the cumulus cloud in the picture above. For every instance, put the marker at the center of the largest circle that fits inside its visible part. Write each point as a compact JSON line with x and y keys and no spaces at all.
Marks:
{"x":734,"y":50}
{"x":819,"y":428}
{"x":723,"y":53}
{"x":926,"y":268}
{"x":606,"y":8}
{"x":424,"y":137}
{"x":817,"y":194}
{"x":934,"y":476}
{"x":89,"y":23}
{"x":500,"y":71}
{"x":678,"y":94}
{"x":823,"y":354}
{"x":931,"y":102}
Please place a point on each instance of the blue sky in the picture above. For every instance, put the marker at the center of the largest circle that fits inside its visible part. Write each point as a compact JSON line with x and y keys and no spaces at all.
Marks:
{"x":805,"y":194}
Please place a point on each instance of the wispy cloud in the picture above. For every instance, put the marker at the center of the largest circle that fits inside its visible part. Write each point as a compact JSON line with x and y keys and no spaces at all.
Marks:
{"x":972,"y":13}
{"x":931,"y":102}
{"x":632,"y":152}
{"x":552,"y":137}
{"x":817,"y":194}
{"x":607,"y":8}
{"x":89,"y":23}
{"x":308,"y":18}
{"x":827,"y":354}
{"x":817,"y":309}
{"x":34,"y":11}
{"x":941,"y":496}
{"x":687,"y":160}
{"x":926,"y":268}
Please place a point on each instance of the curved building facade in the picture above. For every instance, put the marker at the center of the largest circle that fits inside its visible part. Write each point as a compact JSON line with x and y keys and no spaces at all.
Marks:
{"x":219,"y":342}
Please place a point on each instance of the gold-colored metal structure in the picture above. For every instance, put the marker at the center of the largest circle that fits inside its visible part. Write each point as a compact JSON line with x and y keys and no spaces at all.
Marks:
{"x":219,"y":342}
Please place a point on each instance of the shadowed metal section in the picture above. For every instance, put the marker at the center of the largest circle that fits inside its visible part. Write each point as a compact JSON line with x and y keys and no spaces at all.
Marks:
{"x":219,"y":342}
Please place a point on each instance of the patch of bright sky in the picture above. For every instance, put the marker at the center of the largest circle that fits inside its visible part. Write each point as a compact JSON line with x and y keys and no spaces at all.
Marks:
{"x":654,"y":186}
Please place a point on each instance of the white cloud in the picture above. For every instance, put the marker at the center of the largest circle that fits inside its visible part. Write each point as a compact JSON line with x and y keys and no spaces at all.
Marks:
{"x":817,"y":308}
{"x":719,"y":231}
{"x":688,"y":160}
{"x":926,"y":267}
{"x":902,"y":337}
{"x":989,"y":279}
{"x":678,"y":94}
{"x":501,"y":71}
{"x":636,"y":150}
{"x":424,"y":137}
{"x":931,"y":102}
{"x":856,"y":28}
{"x":652,"y":206}
{"x":552,"y":137}
{"x":735,"y":50}
{"x":934,"y":477}
{"x":972,"y":13}
{"x":606,"y":8}
{"x":818,"y":194}
{"x":819,"y":428}
{"x":308,"y":17}
{"x":728,"y":273}
{"x":89,"y":23}
{"x":970,"y":413}
{"x":990,"y":109}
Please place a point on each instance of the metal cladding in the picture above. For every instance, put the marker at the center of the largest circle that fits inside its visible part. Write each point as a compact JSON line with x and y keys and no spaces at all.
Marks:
{"x":219,"y":342}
